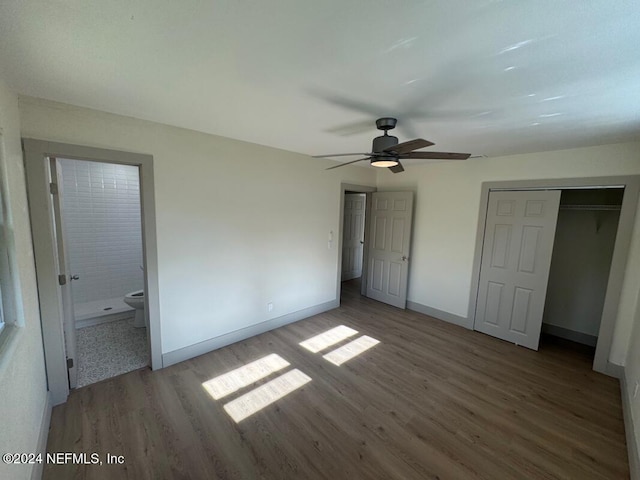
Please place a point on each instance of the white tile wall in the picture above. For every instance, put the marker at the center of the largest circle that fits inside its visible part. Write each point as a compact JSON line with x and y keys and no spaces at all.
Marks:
{"x":101,"y":208}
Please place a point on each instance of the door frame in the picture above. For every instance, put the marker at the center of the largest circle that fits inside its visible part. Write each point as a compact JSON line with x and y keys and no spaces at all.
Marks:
{"x":367,"y":190}
{"x":54,"y":169}
{"x":631,"y":184}
{"x":36,"y":153}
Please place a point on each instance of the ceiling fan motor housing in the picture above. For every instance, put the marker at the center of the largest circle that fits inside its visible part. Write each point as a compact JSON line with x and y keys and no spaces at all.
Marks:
{"x":382,"y":142}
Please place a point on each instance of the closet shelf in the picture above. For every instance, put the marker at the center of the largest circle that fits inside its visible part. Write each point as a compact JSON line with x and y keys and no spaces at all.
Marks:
{"x":590,"y":207}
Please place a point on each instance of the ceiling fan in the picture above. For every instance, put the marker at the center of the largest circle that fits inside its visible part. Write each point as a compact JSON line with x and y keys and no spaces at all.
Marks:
{"x":387,"y":152}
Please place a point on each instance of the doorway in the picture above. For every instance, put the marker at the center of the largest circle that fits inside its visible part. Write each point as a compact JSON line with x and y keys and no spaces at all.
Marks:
{"x":621,"y":196}
{"x":353,"y":235}
{"x":386,"y":242}
{"x":53,"y":267}
{"x":354,"y":214}
{"x":355,"y":208}
{"x":99,"y":209}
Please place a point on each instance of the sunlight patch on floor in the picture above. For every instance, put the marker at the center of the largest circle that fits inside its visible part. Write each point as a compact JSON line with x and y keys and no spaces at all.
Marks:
{"x":328,"y":338}
{"x":225,"y":384}
{"x":255,"y":400}
{"x":350,"y":350}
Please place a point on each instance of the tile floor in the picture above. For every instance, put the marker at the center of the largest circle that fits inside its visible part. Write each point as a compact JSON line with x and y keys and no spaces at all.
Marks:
{"x":110,"y":349}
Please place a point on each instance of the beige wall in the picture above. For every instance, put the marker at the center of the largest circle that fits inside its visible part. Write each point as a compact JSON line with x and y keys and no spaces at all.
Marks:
{"x":239,"y":225}
{"x":446,"y":219}
{"x":22,"y":377}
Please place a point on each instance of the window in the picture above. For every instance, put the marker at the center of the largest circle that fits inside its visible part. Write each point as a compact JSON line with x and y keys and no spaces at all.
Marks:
{"x":7,"y":310}
{"x":7,"y":316}
{"x":5,"y":276}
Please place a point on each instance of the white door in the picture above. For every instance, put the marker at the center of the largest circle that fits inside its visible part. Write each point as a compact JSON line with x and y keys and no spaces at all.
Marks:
{"x":514,"y":271}
{"x":353,"y":235}
{"x":389,"y":243}
{"x":64,"y":274}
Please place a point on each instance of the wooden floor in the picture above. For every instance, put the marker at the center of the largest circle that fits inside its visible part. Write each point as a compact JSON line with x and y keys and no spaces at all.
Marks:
{"x":430,"y":401}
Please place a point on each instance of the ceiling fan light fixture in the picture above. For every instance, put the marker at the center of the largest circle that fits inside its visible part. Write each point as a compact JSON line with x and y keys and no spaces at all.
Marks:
{"x":384,"y":162}
{"x":386,"y":152}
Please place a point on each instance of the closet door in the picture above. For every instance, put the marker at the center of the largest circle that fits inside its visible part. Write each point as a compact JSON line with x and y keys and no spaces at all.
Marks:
{"x":516,"y":256}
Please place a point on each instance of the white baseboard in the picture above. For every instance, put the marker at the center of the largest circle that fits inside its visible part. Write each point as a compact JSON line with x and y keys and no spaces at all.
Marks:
{"x":349,"y":276}
{"x":578,"y":337}
{"x":36,"y":472}
{"x":614,"y":370}
{"x":632,"y":444}
{"x":186,"y":353}
{"x":439,"y":314}
{"x":90,"y":322}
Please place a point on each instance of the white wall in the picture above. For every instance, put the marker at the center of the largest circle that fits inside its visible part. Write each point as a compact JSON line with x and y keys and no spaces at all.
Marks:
{"x":239,"y":225}
{"x":447,"y":211}
{"x":22,"y":376}
{"x":101,"y":207}
{"x":632,"y":377}
{"x":580,"y":266}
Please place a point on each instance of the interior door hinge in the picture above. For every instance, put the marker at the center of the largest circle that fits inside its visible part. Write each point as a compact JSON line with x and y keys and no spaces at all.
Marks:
{"x":53,"y":188}
{"x":69,"y":362}
{"x":62,"y":279}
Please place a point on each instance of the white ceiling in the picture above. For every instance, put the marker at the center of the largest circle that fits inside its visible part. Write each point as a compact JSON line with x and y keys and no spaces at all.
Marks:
{"x":489,"y":77}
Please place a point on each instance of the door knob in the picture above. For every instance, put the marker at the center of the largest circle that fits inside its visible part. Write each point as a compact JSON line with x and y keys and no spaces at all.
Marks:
{"x":361,"y":242}
{"x":74,"y":277}
{"x":405,"y":258}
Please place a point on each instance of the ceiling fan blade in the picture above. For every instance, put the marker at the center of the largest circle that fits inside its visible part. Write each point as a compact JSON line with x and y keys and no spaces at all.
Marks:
{"x":397,"y":169}
{"x":347,"y":163}
{"x":350,"y":103}
{"x":351,"y":128}
{"x":437,"y":155}
{"x":339,"y":155}
{"x":409,"y":146}
{"x":450,"y":115}
{"x":407,"y":129}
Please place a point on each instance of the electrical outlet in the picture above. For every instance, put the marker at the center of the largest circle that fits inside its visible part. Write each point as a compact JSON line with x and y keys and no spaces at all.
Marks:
{"x":635,"y":390}
{"x":270,"y":306}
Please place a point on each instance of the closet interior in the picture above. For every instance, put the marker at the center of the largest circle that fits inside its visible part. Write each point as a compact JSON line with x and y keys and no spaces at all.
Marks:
{"x":580,"y":263}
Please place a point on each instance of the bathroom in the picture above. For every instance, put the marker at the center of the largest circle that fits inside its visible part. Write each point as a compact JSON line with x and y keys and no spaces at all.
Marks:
{"x":101,"y":217}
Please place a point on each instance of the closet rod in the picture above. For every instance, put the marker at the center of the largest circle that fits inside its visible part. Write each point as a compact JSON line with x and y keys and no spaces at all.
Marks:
{"x":590,"y":207}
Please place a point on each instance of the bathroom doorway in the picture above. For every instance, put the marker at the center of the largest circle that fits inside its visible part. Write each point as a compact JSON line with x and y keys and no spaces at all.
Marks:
{"x":55,"y":278}
{"x":100,"y":216}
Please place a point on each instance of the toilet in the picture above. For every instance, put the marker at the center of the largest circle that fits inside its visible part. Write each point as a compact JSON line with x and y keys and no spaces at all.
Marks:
{"x":136,"y":300}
